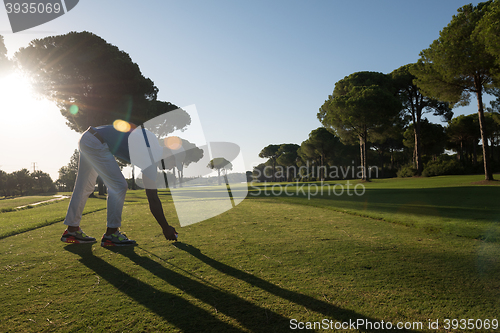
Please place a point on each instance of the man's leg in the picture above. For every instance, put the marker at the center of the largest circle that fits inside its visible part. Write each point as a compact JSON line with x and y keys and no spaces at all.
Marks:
{"x":105,"y":165}
{"x":117,"y":186}
{"x":84,"y":185}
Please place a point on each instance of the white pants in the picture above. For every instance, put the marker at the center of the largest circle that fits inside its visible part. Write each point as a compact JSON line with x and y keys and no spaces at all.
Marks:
{"x":96,"y":159}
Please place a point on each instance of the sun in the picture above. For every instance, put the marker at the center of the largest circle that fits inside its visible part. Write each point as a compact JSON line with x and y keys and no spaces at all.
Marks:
{"x":21,"y":108}
{"x":16,"y":97}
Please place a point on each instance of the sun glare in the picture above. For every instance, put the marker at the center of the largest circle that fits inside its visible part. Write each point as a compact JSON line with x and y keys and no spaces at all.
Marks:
{"x":16,"y":97}
{"x":173,"y":142}
{"x":121,"y":125}
{"x":33,"y":131}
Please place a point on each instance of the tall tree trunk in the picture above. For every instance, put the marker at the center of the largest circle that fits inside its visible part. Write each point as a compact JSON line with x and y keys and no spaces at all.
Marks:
{"x":418,"y":157}
{"x":460,"y":152}
{"x":362,"y":155}
{"x":273,"y":178}
{"x":474,"y":153}
{"x":181,"y":176}
{"x":174,"y":178}
{"x":392,"y":158}
{"x":486,"y":156}
{"x":321,"y":175}
{"x":364,"y":163}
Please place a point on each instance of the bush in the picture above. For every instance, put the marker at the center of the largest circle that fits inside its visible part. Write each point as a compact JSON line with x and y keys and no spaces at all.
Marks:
{"x":406,"y":170}
{"x":443,"y":167}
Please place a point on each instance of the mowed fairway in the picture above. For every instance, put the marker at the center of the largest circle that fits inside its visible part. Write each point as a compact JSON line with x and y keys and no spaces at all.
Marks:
{"x":266,"y":265}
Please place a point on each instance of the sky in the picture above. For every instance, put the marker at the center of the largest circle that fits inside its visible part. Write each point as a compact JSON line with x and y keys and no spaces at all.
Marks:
{"x":257,"y":71}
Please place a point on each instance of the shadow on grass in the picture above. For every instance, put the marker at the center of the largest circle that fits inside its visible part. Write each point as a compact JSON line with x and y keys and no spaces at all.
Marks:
{"x":174,"y":309}
{"x":249,"y":315}
{"x":331,"y":312}
{"x":190,"y":318}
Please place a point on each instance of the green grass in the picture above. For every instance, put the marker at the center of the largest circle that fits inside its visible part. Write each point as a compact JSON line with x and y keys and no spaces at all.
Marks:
{"x":34,"y":217}
{"x":253,"y":268}
{"x":11,"y":203}
{"x":442,"y":205}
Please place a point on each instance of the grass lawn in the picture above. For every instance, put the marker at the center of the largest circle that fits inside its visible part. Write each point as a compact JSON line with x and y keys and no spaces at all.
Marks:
{"x":11,"y":203}
{"x":266,"y":265}
{"x":451,"y":205}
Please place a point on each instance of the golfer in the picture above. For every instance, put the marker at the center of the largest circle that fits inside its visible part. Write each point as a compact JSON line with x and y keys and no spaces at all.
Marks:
{"x":98,"y":146}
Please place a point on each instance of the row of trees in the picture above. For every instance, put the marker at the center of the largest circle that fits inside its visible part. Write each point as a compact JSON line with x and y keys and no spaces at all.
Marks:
{"x":22,"y":182}
{"x":375,"y":109}
{"x":393,"y":153}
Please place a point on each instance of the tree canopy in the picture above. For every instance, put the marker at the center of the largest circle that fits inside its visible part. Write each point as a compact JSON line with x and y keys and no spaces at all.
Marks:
{"x":287,"y":157}
{"x":5,"y":64}
{"x":91,"y":81}
{"x":67,"y":173}
{"x":271,"y":152}
{"x":321,"y":146}
{"x":457,"y":64}
{"x":219,"y":163}
{"x":487,"y":30}
{"x":360,"y":102}
{"x":415,"y":104}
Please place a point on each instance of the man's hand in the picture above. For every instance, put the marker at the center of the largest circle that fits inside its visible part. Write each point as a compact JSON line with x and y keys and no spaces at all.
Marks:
{"x":170,"y":233}
{"x":157,"y":210}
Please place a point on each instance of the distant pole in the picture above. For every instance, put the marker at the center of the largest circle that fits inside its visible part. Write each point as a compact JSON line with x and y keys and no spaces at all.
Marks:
{"x":34,"y":166}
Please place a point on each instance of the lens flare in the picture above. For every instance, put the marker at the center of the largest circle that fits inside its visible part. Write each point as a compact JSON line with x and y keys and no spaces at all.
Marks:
{"x":73,"y":109}
{"x":121,"y":125}
{"x":173,"y":142}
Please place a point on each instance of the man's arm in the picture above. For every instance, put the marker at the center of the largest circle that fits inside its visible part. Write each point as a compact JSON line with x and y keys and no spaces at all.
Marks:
{"x":157,"y":211}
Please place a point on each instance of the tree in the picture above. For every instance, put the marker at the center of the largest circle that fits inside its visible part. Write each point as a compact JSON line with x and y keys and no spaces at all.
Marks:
{"x":220,"y":163}
{"x":415,"y":104}
{"x":179,"y":153}
{"x":259,"y":173}
{"x":463,"y":136}
{"x":11,"y":184}
{"x":492,"y":122}
{"x":321,"y":146}
{"x":42,"y":181}
{"x":360,"y":103}
{"x":388,"y":140}
{"x":5,"y":64}
{"x":91,"y":81}
{"x":457,"y":65}
{"x":67,"y":174}
{"x":3,"y":183}
{"x":271,"y":152}
{"x":488,"y":30}
{"x":288,"y":157}
{"x":67,"y":178}
{"x":22,"y":180}
{"x":433,"y":139}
